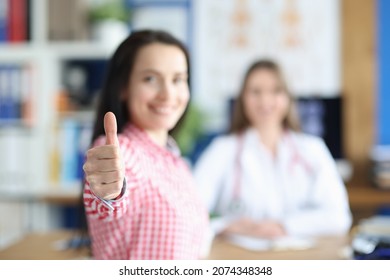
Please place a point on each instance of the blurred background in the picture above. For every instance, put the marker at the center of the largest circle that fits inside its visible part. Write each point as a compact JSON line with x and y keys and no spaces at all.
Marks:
{"x":53,"y":58}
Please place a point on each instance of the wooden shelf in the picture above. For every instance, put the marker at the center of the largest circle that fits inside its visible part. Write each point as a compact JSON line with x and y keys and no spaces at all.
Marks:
{"x":81,"y":50}
{"x":23,"y":53}
{"x":69,"y":195}
{"x":19,"y":123}
{"x":366,"y":196}
{"x":60,"y":50}
{"x":58,"y":195}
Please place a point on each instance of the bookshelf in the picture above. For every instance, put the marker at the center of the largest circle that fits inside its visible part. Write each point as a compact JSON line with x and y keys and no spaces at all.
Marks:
{"x":25,"y":143}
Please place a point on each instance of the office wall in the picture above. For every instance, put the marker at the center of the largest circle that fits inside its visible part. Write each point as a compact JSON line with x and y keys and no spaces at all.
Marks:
{"x":359,"y":64}
{"x":303,"y":36}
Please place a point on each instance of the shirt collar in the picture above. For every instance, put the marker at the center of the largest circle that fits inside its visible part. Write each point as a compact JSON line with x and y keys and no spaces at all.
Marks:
{"x":253,"y":138}
{"x":131,"y":130}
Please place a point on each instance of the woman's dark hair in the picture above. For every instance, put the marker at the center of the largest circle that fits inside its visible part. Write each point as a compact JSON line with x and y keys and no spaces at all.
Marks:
{"x":119,"y":72}
{"x":240,"y":121}
{"x":117,"y":79}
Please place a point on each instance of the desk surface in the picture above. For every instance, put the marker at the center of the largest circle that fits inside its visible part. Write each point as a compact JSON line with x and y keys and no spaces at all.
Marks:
{"x":40,"y":246}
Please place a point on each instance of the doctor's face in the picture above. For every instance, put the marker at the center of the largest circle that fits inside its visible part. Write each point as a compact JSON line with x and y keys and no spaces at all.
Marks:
{"x":265,"y":100}
{"x":158,"y":91}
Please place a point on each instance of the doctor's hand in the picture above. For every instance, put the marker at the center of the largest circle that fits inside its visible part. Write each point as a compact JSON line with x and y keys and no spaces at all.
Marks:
{"x":265,"y":229}
{"x":104,"y":168}
{"x":269,"y":229}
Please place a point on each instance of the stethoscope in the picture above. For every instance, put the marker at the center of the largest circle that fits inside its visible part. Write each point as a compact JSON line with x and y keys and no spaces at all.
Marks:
{"x":236,"y":206}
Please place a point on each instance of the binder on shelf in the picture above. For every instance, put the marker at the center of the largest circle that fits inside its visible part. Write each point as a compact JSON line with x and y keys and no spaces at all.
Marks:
{"x":84,"y":144}
{"x":3,"y":20}
{"x":27,"y":101}
{"x":15,"y":92}
{"x":54,"y":156}
{"x":2,"y":93}
{"x":71,"y":140}
{"x":5,"y":98}
{"x":68,"y":151}
{"x":17,"y":21}
{"x":14,"y":169}
{"x":16,"y":95}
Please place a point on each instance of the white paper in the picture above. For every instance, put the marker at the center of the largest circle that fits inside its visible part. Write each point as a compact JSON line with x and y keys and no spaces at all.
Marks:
{"x":259,"y":244}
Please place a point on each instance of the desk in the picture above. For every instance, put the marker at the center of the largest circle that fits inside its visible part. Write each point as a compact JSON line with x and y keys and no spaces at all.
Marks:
{"x":40,"y":246}
{"x":327,"y":248}
{"x":361,"y":196}
{"x":365,"y":200}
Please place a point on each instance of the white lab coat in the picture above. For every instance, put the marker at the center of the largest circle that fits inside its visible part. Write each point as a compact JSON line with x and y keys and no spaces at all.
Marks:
{"x":300,"y":188}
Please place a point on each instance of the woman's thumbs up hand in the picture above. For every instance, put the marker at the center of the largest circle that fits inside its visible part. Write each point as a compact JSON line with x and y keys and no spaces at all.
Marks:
{"x":104,"y":168}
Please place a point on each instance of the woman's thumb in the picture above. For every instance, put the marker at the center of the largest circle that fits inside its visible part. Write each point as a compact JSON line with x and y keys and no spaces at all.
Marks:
{"x":110,"y":128}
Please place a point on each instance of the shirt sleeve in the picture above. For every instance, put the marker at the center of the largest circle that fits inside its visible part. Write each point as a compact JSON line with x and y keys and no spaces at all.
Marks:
{"x":326,"y":211}
{"x":209,"y":172}
{"x":102,"y":209}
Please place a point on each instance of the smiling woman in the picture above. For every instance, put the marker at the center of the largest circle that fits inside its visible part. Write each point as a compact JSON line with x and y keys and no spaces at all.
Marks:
{"x":139,"y":195}
{"x":267,"y":179}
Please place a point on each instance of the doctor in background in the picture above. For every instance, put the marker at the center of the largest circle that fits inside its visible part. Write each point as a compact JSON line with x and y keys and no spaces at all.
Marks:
{"x":266,"y":179}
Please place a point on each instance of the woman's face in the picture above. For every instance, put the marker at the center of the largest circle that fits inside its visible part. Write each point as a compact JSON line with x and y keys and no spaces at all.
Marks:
{"x":265,"y":101}
{"x":158,"y":91}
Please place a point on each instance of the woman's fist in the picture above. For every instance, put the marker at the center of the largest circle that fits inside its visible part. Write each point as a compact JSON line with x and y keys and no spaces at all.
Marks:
{"x":104,"y":168}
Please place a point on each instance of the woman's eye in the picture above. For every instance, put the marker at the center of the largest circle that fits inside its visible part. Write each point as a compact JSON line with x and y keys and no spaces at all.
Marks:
{"x":179,"y":80}
{"x":150,"y":79}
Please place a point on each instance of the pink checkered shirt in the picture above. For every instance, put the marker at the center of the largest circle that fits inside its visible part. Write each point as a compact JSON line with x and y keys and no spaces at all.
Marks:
{"x":159,"y":216}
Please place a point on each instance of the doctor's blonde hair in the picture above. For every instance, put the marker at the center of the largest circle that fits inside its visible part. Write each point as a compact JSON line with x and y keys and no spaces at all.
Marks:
{"x":240,"y":122}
